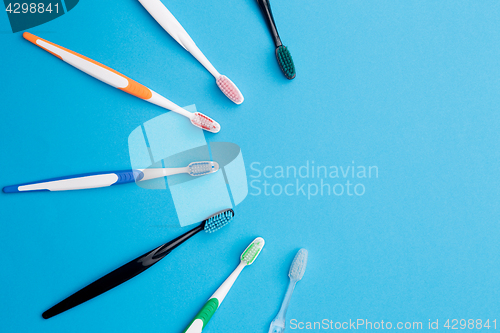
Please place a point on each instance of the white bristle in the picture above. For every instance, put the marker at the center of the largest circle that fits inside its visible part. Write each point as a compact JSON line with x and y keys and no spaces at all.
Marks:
{"x":298,"y":266}
{"x":204,"y":122}
{"x":202,"y":168}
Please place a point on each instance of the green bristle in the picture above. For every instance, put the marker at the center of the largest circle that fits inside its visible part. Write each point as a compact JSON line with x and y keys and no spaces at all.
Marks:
{"x":285,"y":61}
{"x":252,"y":251}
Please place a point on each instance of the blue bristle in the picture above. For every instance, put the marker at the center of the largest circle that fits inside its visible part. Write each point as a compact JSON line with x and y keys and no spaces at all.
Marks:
{"x":218,"y":221}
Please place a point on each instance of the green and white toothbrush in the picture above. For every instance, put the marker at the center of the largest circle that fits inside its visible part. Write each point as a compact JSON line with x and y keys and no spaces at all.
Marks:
{"x":247,"y":258}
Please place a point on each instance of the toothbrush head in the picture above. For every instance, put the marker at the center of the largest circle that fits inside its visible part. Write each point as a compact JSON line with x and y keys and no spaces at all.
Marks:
{"x":218,"y":220}
{"x":252,"y":251}
{"x":205,"y":122}
{"x":229,"y":89}
{"x":285,"y":61}
{"x":203,"y":168}
{"x":298,"y":266}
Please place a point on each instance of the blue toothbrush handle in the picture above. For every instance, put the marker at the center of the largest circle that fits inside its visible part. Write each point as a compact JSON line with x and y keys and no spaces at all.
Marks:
{"x":279,"y":323}
{"x":78,"y":182}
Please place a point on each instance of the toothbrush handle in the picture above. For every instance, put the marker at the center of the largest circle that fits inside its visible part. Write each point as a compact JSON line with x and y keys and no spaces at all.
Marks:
{"x":168,"y":21}
{"x":162,"y":172}
{"x":265,"y":7}
{"x":120,"y":275}
{"x":203,"y":317}
{"x":91,"y":67}
{"x":286,"y":300}
{"x":278,"y":324}
{"x":78,"y":182}
{"x":105,"y":74}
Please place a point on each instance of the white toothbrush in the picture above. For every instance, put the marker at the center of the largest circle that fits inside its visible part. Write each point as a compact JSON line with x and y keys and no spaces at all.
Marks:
{"x":120,"y":81}
{"x":104,"y":179}
{"x":297,"y":269}
{"x":163,"y":16}
{"x":247,"y":258}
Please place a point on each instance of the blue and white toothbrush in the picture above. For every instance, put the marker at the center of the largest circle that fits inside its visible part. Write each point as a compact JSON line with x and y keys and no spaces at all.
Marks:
{"x":297,"y":269}
{"x":104,"y":179}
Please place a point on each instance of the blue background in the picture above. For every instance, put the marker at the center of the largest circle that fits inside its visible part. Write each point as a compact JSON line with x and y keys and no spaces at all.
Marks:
{"x":409,"y":86}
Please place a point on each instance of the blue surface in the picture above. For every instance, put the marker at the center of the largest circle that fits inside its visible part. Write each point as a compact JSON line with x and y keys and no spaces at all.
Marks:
{"x":411,"y":87}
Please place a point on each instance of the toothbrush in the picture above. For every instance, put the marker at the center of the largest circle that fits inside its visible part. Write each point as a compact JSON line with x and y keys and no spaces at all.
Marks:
{"x":120,"y":81}
{"x":137,"y":266}
{"x":282,"y":53}
{"x":104,"y":179}
{"x":163,"y":16}
{"x":247,"y":258}
{"x":297,"y":269}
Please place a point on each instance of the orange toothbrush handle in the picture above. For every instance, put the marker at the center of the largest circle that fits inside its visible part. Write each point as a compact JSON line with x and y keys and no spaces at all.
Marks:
{"x":92,"y":67}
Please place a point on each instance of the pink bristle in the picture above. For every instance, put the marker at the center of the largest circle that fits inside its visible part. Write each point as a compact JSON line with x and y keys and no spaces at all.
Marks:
{"x":229,"y":89}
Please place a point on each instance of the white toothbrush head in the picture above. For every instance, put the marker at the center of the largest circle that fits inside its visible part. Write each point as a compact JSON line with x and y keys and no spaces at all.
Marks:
{"x":204,"y":122}
{"x":203,"y":168}
{"x":298,"y":266}
{"x":252,"y":251}
{"x":229,"y":89}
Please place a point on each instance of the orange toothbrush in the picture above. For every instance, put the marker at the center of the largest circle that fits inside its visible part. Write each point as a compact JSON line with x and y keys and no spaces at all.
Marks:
{"x":120,"y":81}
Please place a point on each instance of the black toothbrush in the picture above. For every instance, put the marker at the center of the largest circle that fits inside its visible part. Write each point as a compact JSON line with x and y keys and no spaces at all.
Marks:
{"x":136,"y":266}
{"x":282,"y":53}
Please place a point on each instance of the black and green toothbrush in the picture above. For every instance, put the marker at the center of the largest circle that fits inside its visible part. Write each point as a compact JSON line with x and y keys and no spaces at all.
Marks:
{"x":282,"y":53}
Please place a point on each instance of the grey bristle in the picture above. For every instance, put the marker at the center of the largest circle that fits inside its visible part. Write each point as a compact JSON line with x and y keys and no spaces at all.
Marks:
{"x":298,"y":266}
